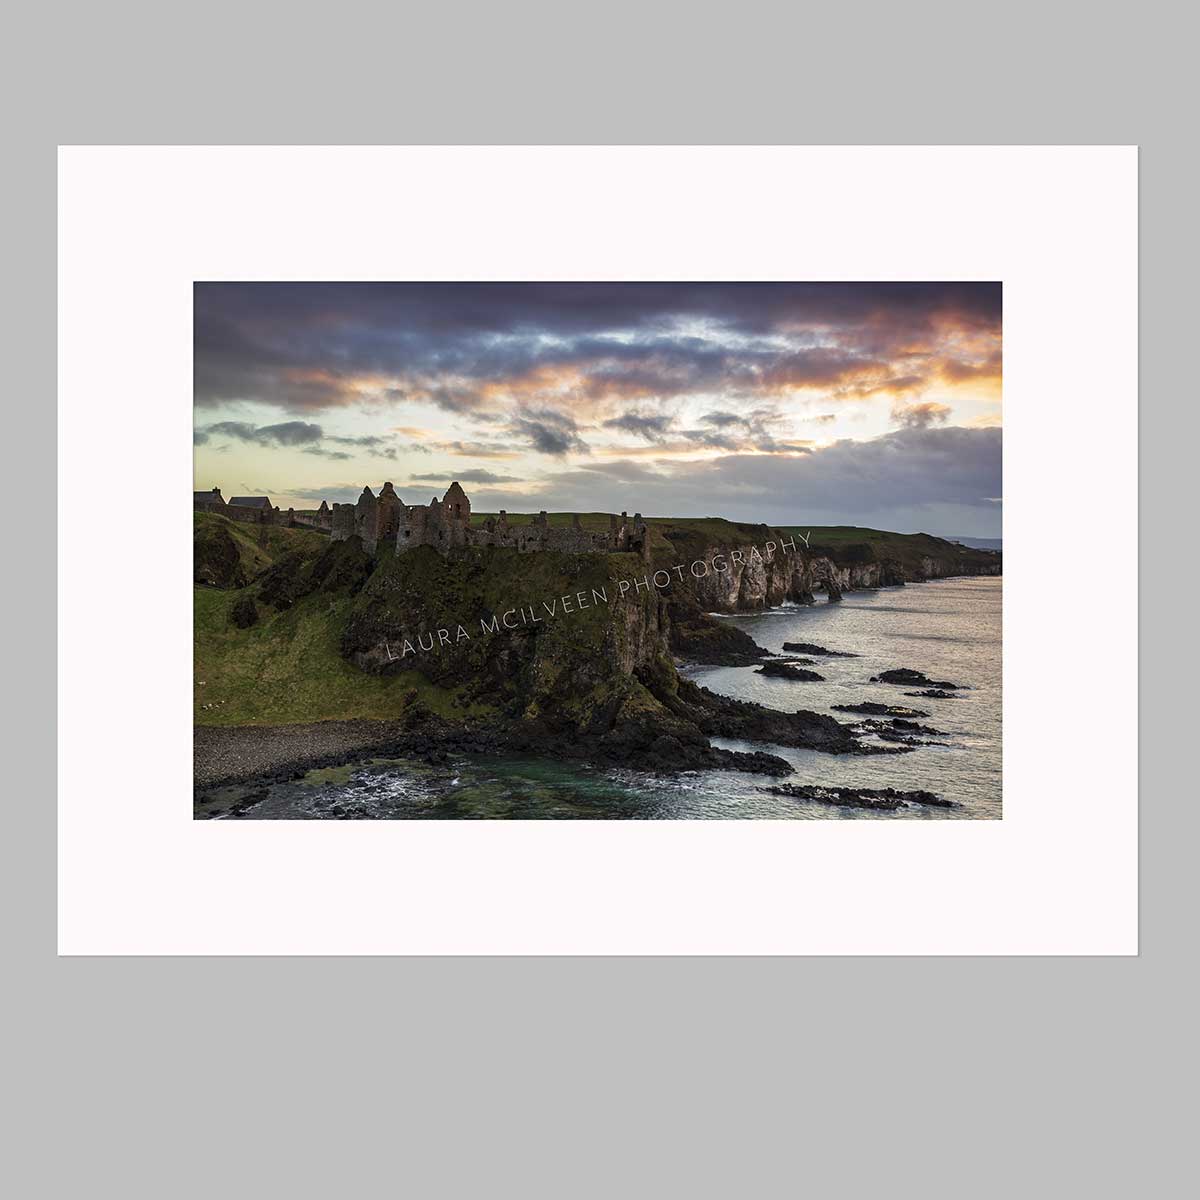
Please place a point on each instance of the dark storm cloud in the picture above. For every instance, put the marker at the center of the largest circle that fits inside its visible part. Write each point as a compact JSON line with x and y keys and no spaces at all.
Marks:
{"x":464,"y":347}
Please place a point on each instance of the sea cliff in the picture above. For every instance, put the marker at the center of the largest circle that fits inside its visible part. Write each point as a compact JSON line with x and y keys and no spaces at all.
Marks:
{"x":569,"y":654}
{"x":830,"y":561}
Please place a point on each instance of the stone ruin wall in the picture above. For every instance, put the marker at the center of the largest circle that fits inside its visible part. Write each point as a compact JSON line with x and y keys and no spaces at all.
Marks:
{"x":443,"y":524}
{"x":252,"y":516}
{"x":321,"y":519}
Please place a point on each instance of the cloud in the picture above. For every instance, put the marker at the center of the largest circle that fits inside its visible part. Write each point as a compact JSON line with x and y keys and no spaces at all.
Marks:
{"x":478,"y":449}
{"x":289,"y":433}
{"x":939,"y":480}
{"x":309,"y":438}
{"x":338,"y":493}
{"x":473,"y":475}
{"x":651,"y":428}
{"x":549,"y":432}
{"x":471,"y":349}
{"x":920,"y":416}
{"x":751,"y":431}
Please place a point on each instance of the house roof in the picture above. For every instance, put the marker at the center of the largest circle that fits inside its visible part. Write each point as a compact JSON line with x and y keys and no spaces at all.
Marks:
{"x":250,"y":501}
{"x":212,"y":497}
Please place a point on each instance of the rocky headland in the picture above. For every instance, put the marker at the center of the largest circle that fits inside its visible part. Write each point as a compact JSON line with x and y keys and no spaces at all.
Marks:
{"x":311,"y":652}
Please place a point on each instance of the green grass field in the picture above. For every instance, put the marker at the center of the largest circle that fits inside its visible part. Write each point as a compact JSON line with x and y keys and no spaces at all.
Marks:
{"x":288,"y":667}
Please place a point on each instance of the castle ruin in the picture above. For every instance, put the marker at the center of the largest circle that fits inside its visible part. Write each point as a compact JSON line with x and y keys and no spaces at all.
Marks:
{"x":445,"y":524}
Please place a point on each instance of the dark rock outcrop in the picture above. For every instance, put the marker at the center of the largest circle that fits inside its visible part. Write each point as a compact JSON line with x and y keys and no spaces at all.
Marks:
{"x":901,"y":732}
{"x":342,"y":566}
{"x":787,"y":670}
{"x":906,"y":676}
{"x":244,"y":614}
{"x":886,"y":799}
{"x":695,"y":636}
{"x":809,"y":648}
{"x":871,"y":709}
{"x":215,"y":557}
{"x":934,"y":694}
{"x":722,"y":716}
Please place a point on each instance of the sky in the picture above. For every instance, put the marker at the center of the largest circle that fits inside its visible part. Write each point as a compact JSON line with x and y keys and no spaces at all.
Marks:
{"x":871,"y":404}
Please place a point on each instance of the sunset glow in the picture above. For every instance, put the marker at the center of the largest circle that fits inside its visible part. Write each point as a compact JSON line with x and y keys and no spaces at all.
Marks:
{"x":840,"y":403}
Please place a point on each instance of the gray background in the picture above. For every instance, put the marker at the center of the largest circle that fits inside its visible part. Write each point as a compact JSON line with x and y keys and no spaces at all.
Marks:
{"x":604,"y":1077}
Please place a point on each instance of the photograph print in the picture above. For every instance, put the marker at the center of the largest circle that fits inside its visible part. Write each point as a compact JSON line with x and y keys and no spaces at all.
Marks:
{"x":607,"y":551}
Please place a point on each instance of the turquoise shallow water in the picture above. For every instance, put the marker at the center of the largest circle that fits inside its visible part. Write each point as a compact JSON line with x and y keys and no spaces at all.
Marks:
{"x":950,"y":629}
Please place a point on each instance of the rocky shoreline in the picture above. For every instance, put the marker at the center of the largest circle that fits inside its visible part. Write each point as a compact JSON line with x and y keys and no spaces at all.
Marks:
{"x":229,"y":756}
{"x":257,"y":756}
{"x":607,"y":693}
{"x":224,"y":756}
{"x":884,"y":799}
{"x":674,"y":741}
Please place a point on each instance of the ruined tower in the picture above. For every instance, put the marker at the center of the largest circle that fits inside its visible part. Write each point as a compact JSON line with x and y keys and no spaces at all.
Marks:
{"x":389,"y":507}
{"x":456,"y":505}
{"x":366,"y":514}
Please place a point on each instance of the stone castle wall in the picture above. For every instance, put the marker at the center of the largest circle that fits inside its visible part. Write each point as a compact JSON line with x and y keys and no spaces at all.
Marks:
{"x":444,"y":524}
{"x":321,"y":519}
{"x":252,"y":516}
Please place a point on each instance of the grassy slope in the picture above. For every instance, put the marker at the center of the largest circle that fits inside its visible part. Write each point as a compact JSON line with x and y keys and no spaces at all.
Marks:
{"x":287,"y":668}
{"x":260,"y":545}
{"x":447,"y":592}
{"x":682,"y":537}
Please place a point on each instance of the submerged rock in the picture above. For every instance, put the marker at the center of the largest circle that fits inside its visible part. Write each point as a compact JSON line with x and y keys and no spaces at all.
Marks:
{"x":899,"y":725}
{"x":906,"y":675}
{"x":933,"y":694}
{"x":872,"y":709}
{"x":901,"y":732}
{"x":887,"y":799}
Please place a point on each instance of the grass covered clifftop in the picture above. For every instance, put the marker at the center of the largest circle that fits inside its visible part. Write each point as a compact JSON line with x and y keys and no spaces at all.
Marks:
{"x":844,"y":545}
{"x":286,"y":665}
{"x":850,"y":545}
{"x":291,"y":627}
